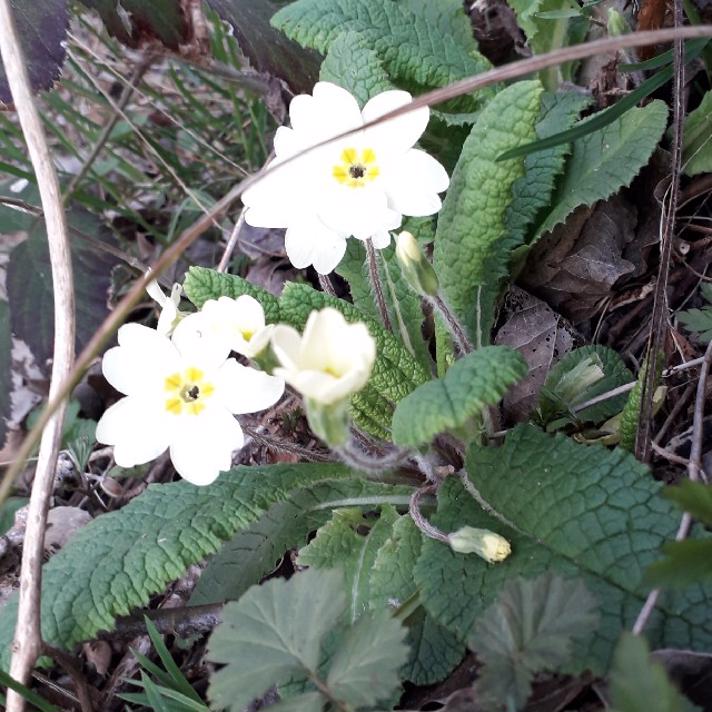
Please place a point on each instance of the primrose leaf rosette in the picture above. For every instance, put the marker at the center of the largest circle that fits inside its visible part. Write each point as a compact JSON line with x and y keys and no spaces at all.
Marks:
{"x":180,"y":395}
{"x":357,"y":186}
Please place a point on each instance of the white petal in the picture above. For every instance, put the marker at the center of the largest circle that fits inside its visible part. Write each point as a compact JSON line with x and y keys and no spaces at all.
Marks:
{"x":286,"y":343}
{"x":156,"y":293}
{"x":249,"y":313}
{"x":331,"y":110}
{"x":246,"y":390}
{"x":399,"y":134}
{"x":358,"y":212}
{"x":137,"y":429}
{"x":206,"y":448}
{"x":413,"y":183}
{"x":309,"y":241}
{"x":381,"y":239}
{"x":197,"y":345}
{"x":141,"y":360}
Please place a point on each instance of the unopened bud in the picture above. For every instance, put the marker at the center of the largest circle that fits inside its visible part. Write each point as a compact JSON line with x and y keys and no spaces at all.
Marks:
{"x":418,"y":272}
{"x":486,"y":544}
{"x":330,"y":422}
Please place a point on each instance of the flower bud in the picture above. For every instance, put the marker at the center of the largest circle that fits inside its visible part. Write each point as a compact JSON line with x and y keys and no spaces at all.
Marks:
{"x":418,"y":272}
{"x":617,"y":24}
{"x":486,"y":544}
{"x":330,"y":422}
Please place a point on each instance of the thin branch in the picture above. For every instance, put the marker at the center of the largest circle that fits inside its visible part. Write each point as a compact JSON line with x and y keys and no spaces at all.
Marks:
{"x":28,"y":641}
{"x":498,"y":74}
{"x":66,"y":661}
{"x":694,"y":471}
{"x":375,"y":277}
{"x":658,"y":318}
{"x":231,"y":243}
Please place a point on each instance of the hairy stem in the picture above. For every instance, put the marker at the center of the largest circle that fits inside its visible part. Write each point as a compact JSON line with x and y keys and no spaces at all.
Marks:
{"x":462,"y":341}
{"x":375,"y":278}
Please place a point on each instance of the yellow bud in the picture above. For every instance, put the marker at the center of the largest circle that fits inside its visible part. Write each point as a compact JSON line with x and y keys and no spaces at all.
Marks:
{"x":418,"y":272}
{"x":486,"y":544}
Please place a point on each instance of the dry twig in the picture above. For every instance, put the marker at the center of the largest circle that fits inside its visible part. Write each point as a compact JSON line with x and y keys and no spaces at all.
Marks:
{"x":27,"y":643}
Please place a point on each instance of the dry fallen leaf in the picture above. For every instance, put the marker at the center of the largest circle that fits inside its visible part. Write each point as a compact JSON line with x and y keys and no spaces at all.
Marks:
{"x":542,"y":337}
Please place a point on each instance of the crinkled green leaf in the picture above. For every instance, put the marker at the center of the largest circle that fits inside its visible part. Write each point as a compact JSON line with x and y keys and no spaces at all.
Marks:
{"x":448,"y":17}
{"x":434,"y":650}
{"x":639,"y":684}
{"x":576,"y":510}
{"x":354,"y":65}
{"x":471,"y":384}
{"x":254,"y":552}
{"x":341,"y":543}
{"x":693,"y":497}
{"x":615,"y":373}
{"x":42,"y":28}
{"x":273,"y":632}
{"x":606,"y":160}
{"x":119,"y":560}
{"x":202,"y":283}
{"x":697,"y":138}
{"x":530,"y":628}
{"x":403,"y":304}
{"x":395,"y":372}
{"x":532,"y":192}
{"x":473,"y":217}
{"x":414,"y":49}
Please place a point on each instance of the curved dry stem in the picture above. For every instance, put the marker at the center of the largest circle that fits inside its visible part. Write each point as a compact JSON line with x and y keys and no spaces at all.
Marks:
{"x":28,"y":642}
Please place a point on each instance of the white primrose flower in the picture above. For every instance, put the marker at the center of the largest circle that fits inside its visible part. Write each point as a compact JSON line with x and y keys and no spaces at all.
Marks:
{"x":359,"y":186}
{"x":330,"y":361}
{"x":181,"y":395}
{"x":169,"y":316}
{"x":236,"y":324}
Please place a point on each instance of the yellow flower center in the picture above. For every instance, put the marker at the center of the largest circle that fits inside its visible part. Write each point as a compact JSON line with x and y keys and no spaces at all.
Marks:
{"x":187,"y":392}
{"x":356,"y":169}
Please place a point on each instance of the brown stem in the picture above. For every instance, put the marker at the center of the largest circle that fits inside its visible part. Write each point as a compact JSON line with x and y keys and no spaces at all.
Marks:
{"x":28,"y":641}
{"x":326,"y":286}
{"x":80,"y":682}
{"x":431,"y":531}
{"x":375,"y":278}
{"x":231,"y":243}
{"x":694,"y":469}
{"x":463,"y":342}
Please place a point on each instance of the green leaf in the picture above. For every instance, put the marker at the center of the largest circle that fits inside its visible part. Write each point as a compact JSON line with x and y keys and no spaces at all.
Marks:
{"x":277,"y":631}
{"x":340,"y":544}
{"x":482,"y":187}
{"x":395,"y":372}
{"x":32,"y":303}
{"x":353,"y":65}
{"x":403,"y":304}
{"x":266,"y":49}
{"x":693,"y":497}
{"x":7,"y":512}
{"x":365,"y":667}
{"x":254,"y":552}
{"x":574,"y":510}
{"x":273,"y":632}
{"x":120,"y":559}
{"x":528,"y":629}
{"x":42,"y":28}
{"x":606,"y":160}
{"x":697,"y":138}
{"x":631,"y":411}
{"x":699,"y":321}
{"x":5,"y":370}
{"x":553,"y":403}
{"x":532,"y":192}
{"x":470,"y":385}
{"x":448,"y":17}
{"x":414,"y":49}
{"x":638,"y":684}
{"x":434,"y":650}
{"x":202,"y":284}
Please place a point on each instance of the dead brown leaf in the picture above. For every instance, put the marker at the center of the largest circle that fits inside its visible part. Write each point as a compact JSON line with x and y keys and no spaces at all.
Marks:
{"x":542,"y":337}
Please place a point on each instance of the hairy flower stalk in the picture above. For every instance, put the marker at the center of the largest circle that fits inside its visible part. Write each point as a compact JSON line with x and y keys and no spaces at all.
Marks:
{"x":360,"y":186}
